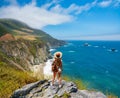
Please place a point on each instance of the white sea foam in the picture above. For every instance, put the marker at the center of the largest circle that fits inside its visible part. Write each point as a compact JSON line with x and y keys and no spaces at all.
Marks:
{"x":71,"y":51}
{"x":65,"y":45}
{"x":104,"y":47}
{"x":106,"y":71}
{"x":47,"y":69}
{"x":96,"y":46}
{"x":70,"y":43}
{"x":109,"y":50}
{"x":52,"y":50}
{"x":89,"y":45}
{"x":112,"y":51}
{"x":72,"y":62}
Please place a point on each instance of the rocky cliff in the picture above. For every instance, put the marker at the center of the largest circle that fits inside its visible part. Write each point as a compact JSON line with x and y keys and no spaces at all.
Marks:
{"x":23,"y":46}
{"x":24,"y":54}
{"x":42,"y":89}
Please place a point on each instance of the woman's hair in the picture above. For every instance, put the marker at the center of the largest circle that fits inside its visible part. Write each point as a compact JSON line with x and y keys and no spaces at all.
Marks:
{"x":58,"y":55}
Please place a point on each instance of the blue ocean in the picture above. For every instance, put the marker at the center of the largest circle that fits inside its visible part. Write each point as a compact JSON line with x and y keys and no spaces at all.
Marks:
{"x":95,"y":64}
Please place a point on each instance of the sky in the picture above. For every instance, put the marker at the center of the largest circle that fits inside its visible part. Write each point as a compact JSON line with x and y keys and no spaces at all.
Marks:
{"x":68,"y":19}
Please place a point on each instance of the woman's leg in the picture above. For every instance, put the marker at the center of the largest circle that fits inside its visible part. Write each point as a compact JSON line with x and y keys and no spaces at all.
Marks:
{"x":54,"y":75}
{"x":59,"y":77}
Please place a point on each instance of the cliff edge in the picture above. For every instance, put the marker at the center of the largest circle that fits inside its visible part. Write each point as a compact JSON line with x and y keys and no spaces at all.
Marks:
{"x":43,"y":89}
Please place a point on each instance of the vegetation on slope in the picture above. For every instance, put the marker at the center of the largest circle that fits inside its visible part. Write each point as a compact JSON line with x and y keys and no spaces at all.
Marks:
{"x":12,"y":79}
{"x":22,"y":30}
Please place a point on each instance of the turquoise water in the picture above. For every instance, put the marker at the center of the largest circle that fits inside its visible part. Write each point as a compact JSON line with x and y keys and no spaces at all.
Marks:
{"x":94,"y":64}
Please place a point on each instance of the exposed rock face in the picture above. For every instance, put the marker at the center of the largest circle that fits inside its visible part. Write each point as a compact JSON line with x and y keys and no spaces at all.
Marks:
{"x":25,"y":53}
{"x":42,"y":89}
{"x":7,"y":37}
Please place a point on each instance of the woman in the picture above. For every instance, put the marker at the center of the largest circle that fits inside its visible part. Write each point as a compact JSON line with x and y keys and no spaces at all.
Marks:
{"x":57,"y":67}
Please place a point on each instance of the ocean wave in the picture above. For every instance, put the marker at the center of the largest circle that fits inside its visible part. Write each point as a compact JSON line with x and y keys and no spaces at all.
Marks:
{"x":106,"y":71}
{"x":71,"y":51}
{"x":89,"y":45}
{"x":70,"y":43}
{"x":72,"y":62}
{"x":112,"y":51}
{"x":65,"y":45}
{"x":47,"y":69}
{"x":52,"y":50}
{"x":96,"y":46}
{"x":104,"y":47}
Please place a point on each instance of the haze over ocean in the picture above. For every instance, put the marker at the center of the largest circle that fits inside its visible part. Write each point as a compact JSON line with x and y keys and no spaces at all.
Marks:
{"x":94,"y":64}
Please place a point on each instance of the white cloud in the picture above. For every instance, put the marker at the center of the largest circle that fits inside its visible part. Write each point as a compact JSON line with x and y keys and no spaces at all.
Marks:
{"x":48,"y":14}
{"x":116,"y":3}
{"x":73,"y":8}
{"x":105,"y":3}
{"x":51,"y":13}
{"x":36,"y":17}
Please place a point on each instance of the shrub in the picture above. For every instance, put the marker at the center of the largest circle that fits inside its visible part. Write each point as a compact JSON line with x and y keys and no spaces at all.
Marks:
{"x":12,"y":79}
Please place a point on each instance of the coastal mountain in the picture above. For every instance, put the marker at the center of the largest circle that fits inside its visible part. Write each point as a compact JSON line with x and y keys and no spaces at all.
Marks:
{"x":21,"y":30}
{"x":23,"y":46}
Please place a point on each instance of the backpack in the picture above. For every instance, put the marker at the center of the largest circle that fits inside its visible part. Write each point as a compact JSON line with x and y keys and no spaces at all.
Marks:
{"x":56,"y":64}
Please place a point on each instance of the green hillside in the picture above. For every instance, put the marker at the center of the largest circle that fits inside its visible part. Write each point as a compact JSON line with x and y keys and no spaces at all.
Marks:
{"x":7,"y":25}
{"x":19,"y":29}
{"x":20,"y":48}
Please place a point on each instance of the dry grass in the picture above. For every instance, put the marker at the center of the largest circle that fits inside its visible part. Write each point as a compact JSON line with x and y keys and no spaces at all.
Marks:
{"x":12,"y":79}
{"x":20,"y":32}
{"x":28,"y":30}
{"x":24,"y":35}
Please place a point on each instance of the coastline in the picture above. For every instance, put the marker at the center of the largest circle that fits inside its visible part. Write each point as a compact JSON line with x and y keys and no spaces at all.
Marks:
{"x":97,"y":71}
{"x":42,"y":70}
{"x":47,"y":69}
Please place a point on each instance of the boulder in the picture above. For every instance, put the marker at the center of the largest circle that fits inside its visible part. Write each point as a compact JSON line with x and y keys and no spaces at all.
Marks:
{"x":43,"y":89}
